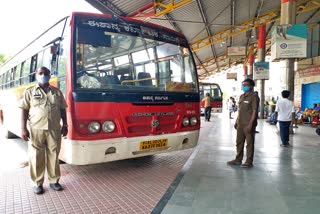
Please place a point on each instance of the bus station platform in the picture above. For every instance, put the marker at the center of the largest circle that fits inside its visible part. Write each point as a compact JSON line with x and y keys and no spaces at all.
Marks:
{"x":283,"y":180}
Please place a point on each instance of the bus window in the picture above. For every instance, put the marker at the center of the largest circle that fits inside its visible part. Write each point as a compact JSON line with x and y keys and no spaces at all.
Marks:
{"x":1,"y":84}
{"x":12,"y":74}
{"x":40,"y":59}
{"x":46,"y":60}
{"x":175,"y":70}
{"x":33,"y":68}
{"x":121,"y":60}
{"x":138,"y":69}
{"x":8,"y":79}
{"x":62,"y":62}
{"x":166,"y":50}
{"x":25,"y":79}
{"x":18,"y":75}
{"x":151,"y":69}
{"x":138,"y":62}
{"x":189,"y":69}
{"x":143,"y":56}
{"x":164,"y":72}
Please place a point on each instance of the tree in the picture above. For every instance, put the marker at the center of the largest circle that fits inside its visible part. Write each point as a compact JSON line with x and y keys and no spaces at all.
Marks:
{"x":3,"y":58}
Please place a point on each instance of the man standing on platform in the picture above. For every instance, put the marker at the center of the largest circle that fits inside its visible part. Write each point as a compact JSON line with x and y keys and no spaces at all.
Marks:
{"x":207,"y":107}
{"x":245,"y":124}
{"x":285,"y":115}
{"x":44,"y":106}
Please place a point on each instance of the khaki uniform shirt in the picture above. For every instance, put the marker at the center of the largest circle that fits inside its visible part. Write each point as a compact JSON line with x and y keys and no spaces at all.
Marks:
{"x":207,"y":101}
{"x":247,"y":104}
{"x":44,"y":108}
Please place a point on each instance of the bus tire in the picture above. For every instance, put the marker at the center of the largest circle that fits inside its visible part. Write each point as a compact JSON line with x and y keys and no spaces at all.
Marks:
{"x":9,"y":135}
{"x":62,"y":162}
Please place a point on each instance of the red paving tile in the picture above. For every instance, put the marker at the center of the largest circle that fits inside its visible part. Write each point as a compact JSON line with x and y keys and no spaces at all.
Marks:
{"x":128,"y":186}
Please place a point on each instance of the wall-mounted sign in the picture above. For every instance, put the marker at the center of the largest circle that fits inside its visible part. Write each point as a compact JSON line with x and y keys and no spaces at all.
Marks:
{"x":236,"y":51}
{"x":232,"y":76}
{"x":261,"y":71}
{"x":289,"y":41}
{"x":311,"y":71}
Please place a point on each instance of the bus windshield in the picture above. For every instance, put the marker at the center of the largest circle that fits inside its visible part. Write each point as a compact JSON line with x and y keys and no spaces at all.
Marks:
{"x":214,"y":91}
{"x":118,"y":61}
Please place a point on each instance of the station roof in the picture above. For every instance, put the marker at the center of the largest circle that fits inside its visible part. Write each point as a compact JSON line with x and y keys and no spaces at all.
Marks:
{"x":211,"y":26}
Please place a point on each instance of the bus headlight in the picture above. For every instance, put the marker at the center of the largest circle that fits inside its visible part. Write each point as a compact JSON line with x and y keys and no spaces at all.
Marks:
{"x":193,"y":121}
{"x":108,"y":126}
{"x":94,"y":127}
{"x":185,"y":121}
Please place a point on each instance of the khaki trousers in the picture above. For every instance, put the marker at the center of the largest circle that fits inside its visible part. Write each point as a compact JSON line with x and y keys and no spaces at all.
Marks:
{"x":243,"y":136}
{"x":44,"y":151}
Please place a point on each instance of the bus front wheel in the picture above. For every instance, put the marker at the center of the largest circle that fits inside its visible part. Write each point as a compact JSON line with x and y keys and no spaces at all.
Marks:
{"x":7,"y":134}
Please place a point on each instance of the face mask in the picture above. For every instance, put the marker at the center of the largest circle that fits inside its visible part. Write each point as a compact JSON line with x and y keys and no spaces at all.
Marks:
{"x":245,"y":88}
{"x":43,"y":79}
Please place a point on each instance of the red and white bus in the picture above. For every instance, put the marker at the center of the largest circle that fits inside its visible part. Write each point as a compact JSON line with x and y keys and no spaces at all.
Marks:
{"x":131,"y":87}
{"x":216,"y":96}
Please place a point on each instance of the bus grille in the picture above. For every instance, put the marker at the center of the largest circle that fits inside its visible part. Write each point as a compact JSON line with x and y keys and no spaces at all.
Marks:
{"x":143,"y":125}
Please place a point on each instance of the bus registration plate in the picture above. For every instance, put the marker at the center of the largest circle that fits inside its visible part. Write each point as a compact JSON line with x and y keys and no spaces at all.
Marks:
{"x":153,"y":144}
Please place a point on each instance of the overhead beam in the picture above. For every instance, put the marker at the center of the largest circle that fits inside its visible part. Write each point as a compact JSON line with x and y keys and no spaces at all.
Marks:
{"x":142,"y":11}
{"x":204,"y":19}
{"x":224,"y":56}
{"x":165,"y":8}
{"x":303,"y":6}
{"x":105,"y":6}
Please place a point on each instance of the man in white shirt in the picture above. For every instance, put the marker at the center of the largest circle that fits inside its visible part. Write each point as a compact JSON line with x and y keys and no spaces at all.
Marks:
{"x":285,"y":115}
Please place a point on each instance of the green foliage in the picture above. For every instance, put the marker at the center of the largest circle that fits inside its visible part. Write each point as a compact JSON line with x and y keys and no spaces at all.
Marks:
{"x":3,"y":58}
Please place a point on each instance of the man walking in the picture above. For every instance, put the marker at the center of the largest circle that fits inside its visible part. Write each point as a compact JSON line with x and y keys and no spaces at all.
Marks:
{"x":245,"y":124}
{"x":44,"y":106}
{"x":285,"y":115}
{"x":207,"y":107}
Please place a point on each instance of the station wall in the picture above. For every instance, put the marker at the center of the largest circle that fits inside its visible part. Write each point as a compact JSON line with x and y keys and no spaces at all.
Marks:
{"x":307,"y":82}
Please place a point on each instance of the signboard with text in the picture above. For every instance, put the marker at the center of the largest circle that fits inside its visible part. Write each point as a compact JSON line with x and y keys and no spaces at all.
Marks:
{"x":232,"y":76}
{"x":261,"y":71}
{"x":310,"y":71}
{"x":289,"y":41}
{"x":236,"y":51}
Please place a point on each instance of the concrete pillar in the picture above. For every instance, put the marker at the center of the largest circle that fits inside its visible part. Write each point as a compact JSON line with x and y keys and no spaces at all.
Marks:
{"x":261,"y":54}
{"x":250,"y":66}
{"x":288,"y":16}
{"x":245,"y":71}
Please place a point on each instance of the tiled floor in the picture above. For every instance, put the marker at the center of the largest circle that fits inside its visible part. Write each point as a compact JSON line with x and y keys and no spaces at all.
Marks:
{"x":283,"y":180}
{"x":128,"y":186}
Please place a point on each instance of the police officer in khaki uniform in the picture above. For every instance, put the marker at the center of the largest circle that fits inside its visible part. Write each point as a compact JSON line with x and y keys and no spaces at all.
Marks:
{"x":245,"y":124}
{"x":44,"y":106}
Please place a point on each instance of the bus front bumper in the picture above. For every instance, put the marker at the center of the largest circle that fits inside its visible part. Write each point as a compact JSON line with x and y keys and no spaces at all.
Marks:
{"x":98,"y":151}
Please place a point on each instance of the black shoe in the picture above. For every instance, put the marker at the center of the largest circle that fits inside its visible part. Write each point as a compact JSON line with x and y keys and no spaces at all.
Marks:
{"x":247,"y":165}
{"x":234,"y":162}
{"x":56,"y":187}
{"x":38,"y":190}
